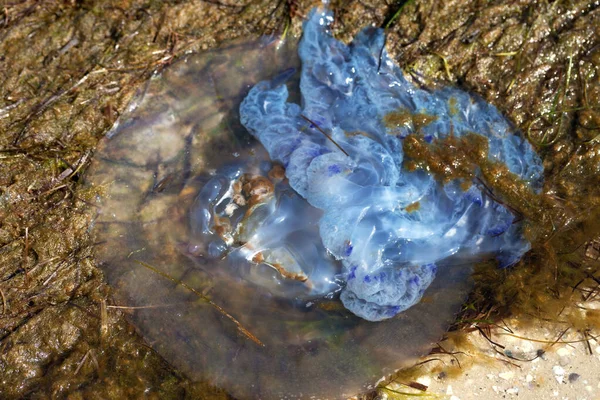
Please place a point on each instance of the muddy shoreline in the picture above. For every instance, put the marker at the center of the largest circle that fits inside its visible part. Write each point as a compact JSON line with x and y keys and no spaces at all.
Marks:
{"x":69,"y":69}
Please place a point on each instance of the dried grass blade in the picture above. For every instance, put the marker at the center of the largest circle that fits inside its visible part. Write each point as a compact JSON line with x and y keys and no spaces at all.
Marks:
{"x":238,"y":325}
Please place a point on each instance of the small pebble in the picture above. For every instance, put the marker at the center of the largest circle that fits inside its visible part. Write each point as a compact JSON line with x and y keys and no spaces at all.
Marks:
{"x":424,"y":380}
{"x":527,"y":346}
{"x":541,"y":354}
{"x":564,"y":361}
{"x":573,"y":377}
{"x":506,"y":375}
{"x":563,"y":352}
{"x":559,"y":373}
{"x":513,"y":390}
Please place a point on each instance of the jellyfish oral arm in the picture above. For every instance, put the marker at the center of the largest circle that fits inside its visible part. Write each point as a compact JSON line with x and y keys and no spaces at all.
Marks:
{"x":389,"y":224}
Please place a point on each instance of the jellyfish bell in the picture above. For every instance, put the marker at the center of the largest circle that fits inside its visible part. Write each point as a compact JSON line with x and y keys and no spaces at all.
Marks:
{"x":235,"y":255}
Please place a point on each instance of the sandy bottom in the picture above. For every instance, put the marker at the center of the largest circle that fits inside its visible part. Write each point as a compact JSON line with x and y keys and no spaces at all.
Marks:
{"x":553,"y":362}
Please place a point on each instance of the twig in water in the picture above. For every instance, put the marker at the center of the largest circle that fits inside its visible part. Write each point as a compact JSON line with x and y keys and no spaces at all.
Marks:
{"x":83,"y":359}
{"x":103,"y":321}
{"x":587,"y":341}
{"x":26,"y":258}
{"x":324,"y":133}
{"x":239,"y":326}
{"x":4,"y":305}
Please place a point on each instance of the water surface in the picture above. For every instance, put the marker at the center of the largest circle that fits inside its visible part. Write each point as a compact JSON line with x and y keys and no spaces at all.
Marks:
{"x":181,"y":128}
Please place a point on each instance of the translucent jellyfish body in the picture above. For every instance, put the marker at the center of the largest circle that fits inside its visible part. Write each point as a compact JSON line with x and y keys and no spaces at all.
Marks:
{"x":222,"y":262}
{"x":248,"y":215}
{"x":343,"y":152}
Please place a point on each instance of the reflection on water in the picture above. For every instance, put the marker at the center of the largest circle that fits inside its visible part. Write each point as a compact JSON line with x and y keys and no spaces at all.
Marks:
{"x":226,"y":323}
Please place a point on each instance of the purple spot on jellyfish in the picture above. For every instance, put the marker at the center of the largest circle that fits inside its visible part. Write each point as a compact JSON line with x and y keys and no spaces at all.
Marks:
{"x":414,"y":281}
{"x":352,"y":274}
{"x":393,"y":310}
{"x":348,"y":249}
{"x":335,"y":169}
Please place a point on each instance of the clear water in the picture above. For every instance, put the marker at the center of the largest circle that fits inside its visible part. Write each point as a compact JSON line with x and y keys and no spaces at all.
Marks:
{"x":239,"y":327}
